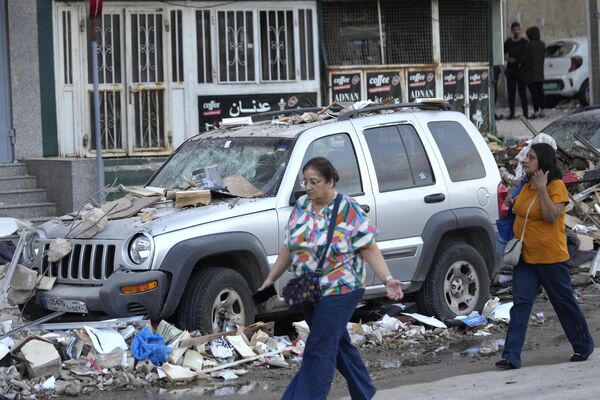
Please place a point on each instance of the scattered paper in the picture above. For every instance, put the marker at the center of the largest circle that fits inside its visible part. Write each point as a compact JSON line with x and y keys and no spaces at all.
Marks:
{"x":4,"y":350}
{"x":501,"y":312}
{"x":105,"y":340}
{"x":177,"y":373}
{"x":49,"y":384}
{"x":193,"y":360}
{"x":219,"y":349}
{"x":427,"y":320}
{"x":226,"y":375}
{"x":240,"y":346}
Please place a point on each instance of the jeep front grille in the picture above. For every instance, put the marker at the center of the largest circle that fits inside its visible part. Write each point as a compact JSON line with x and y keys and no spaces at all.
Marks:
{"x":88,"y":263}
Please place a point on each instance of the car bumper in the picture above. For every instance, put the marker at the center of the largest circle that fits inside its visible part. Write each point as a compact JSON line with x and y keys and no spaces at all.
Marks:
{"x":559,"y":86}
{"x":109,"y":300}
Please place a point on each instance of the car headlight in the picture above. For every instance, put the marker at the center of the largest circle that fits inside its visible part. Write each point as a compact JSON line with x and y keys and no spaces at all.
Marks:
{"x":140,"y":249}
{"x":33,"y":246}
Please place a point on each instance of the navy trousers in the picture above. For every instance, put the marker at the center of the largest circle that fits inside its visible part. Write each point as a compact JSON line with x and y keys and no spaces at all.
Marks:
{"x":329,"y":347}
{"x":555,"y":279}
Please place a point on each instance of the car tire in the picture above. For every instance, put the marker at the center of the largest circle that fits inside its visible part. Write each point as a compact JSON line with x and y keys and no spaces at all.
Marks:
{"x":551,"y":101}
{"x":457,"y":283}
{"x":584,"y":93}
{"x":213,"y":296}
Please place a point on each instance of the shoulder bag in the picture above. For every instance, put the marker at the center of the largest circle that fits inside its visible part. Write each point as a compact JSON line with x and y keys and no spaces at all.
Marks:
{"x":514,"y":247}
{"x":305,"y":290}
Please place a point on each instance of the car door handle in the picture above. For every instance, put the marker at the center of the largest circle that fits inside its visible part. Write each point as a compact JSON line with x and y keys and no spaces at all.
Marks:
{"x":365,"y":207}
{"x":435,"y":198}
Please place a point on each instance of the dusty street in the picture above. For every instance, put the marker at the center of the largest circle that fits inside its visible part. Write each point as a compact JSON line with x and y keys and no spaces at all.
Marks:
{"x":398,"y":367}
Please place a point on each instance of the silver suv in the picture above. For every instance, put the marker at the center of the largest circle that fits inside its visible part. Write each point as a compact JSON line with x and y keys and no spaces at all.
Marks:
{"x":422,"y":173}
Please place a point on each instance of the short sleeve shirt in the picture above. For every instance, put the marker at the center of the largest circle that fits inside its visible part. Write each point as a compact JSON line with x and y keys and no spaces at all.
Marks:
{"x":306,"y":239}
{"x":544,"y":243}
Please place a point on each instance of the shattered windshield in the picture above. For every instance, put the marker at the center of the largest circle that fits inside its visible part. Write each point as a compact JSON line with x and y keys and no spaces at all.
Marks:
{"x":259,"y":162}
{"x":564,"y":130}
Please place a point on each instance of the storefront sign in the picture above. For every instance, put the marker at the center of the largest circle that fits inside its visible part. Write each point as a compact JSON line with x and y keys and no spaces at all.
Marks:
{"x":454,"y":88}
{"x":384,"y":85}
{"x":421,"y":85}
{"x":345,"y":87}
{"x":212,"y":109}
{"x":479,"y":98}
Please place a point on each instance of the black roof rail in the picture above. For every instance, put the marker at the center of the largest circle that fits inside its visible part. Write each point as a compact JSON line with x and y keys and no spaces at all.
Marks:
{"x":347,"y":115}
{"x":265,"y":116}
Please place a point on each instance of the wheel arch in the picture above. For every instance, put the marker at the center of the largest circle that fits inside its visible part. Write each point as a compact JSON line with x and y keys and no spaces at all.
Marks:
{"x":239,"y":251}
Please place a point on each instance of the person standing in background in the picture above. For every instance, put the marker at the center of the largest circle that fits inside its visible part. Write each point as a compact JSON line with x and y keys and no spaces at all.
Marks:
{"x":514,"y":47}
{"x":532,"y":69}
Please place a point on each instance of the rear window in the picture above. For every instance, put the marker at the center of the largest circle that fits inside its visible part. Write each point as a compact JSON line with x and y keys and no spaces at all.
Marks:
{"x":460,"y":154}
{"x":561,"y":49}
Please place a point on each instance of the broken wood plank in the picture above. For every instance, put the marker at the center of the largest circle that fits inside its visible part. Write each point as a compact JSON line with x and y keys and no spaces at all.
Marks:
{"x":242,"y":361}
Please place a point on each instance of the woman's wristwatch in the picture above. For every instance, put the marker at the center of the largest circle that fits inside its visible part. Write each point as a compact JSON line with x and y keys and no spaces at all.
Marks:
{"x":387,"y":279}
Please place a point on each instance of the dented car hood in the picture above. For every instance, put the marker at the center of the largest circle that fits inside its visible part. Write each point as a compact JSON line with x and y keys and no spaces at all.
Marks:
{"x":168,"y":219}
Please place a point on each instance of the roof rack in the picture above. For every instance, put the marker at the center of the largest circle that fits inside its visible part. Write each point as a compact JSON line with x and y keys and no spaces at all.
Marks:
{"x":437,"y":106}
{"x":291,"y":111}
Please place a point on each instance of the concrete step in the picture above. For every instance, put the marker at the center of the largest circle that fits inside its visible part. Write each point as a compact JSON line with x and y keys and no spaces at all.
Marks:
{"x":13,"y":169}
{"x":28,"y":210}
{"x":17,"y":182}
{"x":9,"y":197}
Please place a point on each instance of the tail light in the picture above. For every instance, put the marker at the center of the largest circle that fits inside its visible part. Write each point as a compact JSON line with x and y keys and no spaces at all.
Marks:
{"x":576,"y":62}
{"x":502,"y":195}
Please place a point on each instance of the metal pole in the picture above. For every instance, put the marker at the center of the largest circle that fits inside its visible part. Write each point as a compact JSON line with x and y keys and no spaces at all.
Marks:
{"x":99,"y":160}
{"x":491,"y":75}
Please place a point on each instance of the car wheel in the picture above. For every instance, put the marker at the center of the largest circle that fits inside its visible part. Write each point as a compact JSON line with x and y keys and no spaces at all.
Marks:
{"x":457,"y":284}
{"x":213,"y":298}
{"x":551,"y":101}
{"x":584,"y":94}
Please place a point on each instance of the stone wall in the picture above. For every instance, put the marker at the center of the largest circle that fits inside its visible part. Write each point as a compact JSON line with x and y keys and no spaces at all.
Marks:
{"x":25,"y":81}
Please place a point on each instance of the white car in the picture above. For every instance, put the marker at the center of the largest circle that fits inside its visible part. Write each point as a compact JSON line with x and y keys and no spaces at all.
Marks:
{"x":566,"y":71}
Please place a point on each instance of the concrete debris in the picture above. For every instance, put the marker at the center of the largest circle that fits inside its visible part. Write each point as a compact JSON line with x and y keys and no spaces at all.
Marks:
{"x":93,"y":222}
{"x":41,"y":357}
{"x":24,"y":278}
{"x":58,"y":249}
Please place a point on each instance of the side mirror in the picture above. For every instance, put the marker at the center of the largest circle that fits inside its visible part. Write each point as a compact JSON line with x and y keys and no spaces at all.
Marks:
{"x":8,"y":226}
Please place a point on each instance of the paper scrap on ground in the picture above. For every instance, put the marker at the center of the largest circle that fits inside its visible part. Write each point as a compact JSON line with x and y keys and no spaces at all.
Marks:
{"x":426,"y":320}
{"x":501,"y":312}
{"x":177,"y":373}
{"x":472,"y":320}
{"x":240,"y":346}
{"x":105,"y":340}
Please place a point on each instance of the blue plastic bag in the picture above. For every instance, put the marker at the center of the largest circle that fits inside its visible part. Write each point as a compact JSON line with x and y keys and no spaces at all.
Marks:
{"x":150,"y":346}
{"x":505,"y":225}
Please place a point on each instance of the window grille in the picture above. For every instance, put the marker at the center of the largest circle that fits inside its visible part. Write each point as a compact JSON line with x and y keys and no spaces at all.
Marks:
{"x":147,"y":45}
{"x":463,"y":30}
{"x":108,"y":39}
{"x":307,"y":49}
{"x":177,"y":46}
{"x":373,"y":32}
{"x":277,"y":45}
{"x":67,"y":48}
{"x":236,"y":46}
{"x":204,"y":48}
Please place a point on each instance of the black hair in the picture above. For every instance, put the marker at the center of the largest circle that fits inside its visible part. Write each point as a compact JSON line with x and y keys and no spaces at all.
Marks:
{"x":546,"y":157}
{"x":515,"y":25}
{"x":324,"y":167}
{"x":533,"y":33}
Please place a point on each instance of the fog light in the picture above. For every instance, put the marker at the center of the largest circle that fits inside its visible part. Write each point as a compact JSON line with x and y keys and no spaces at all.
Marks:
{"x":142,"y":288}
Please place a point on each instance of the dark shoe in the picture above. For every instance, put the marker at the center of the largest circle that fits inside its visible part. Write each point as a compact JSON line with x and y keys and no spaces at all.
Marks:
{"x":576,"y":357}
{"x":504,"y":364}
{"x":510,"y":117}
{"x":531,"y":117}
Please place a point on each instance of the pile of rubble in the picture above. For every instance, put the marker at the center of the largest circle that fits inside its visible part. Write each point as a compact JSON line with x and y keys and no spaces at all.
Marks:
{"x":82,"y":357}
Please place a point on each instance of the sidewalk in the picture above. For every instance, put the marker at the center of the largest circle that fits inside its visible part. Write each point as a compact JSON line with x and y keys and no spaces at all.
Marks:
{"x":567,"y":380}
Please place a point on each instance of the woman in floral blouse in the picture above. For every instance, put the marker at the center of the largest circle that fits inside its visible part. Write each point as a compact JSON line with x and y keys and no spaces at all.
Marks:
{"x":342,"y":286}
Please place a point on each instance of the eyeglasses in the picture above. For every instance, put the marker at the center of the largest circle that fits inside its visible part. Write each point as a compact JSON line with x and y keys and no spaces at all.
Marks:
{"x":310,"y":182}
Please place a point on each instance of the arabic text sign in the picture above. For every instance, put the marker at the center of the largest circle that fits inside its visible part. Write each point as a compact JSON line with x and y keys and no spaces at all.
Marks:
{"x":454,"y":88}
{"x":421,"y":85}
{"x":479,"y":98}
{"x":212,"y":109}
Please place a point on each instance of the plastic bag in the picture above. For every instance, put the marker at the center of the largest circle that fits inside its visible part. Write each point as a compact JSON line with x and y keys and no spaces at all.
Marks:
{"x":150,"y":346}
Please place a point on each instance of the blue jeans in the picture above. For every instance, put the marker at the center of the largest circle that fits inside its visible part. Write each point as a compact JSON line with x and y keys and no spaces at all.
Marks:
{"x":556,"y":281}
{"x":329,"y":347}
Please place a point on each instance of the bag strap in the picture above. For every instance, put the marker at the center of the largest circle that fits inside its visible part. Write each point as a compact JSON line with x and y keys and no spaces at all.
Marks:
{"x":527,"y":216}
{"x":330,"y":230}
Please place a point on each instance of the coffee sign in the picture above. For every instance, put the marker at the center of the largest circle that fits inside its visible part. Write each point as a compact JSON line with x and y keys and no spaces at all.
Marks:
{"x":384,"y":85}
{"x":479,"y":98}
{"x":454,"y":88}
{"x":421,"y":85}
{"x":345,"y":87}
